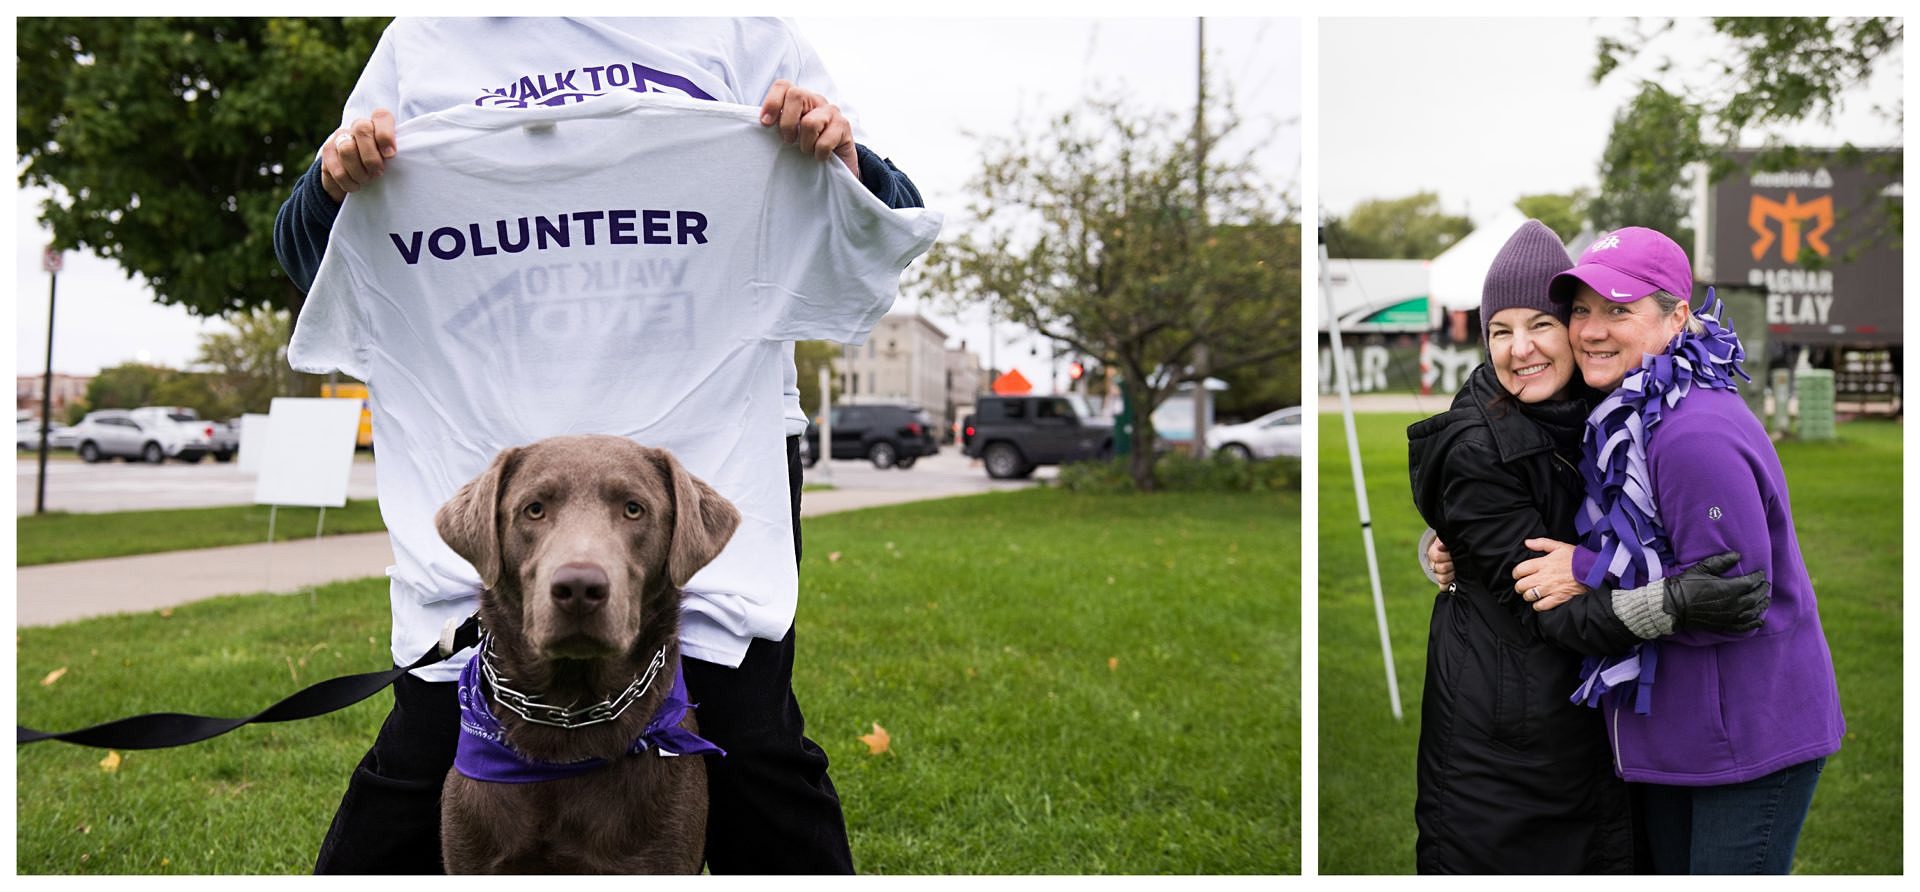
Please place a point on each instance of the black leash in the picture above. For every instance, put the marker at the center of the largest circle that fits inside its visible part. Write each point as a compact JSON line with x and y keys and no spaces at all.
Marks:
{"x":159,"y":730}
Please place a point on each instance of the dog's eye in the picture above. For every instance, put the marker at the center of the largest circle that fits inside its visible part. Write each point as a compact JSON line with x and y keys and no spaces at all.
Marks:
{"x":633,"y":510}
{"x":535,"y":510}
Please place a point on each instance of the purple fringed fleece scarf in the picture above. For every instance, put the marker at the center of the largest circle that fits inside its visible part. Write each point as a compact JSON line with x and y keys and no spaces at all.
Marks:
{"x":1620,"y":514}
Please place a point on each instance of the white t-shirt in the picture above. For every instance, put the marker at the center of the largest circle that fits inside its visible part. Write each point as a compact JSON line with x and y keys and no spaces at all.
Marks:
{"x":421,"y":66}
{"x":629,"y":264}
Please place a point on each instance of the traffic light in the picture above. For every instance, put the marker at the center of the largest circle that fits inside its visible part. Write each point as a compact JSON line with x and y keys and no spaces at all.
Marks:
{"x":1075,"y":370}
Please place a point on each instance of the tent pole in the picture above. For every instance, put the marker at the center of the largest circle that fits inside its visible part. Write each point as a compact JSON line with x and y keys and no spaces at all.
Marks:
{"x":1342,"y":375}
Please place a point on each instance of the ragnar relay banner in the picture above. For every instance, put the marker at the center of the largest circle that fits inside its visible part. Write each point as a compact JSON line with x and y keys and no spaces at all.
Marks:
{"x":1816,"y":239}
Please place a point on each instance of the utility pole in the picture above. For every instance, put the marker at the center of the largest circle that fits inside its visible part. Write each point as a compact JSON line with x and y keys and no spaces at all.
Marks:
{"x":51,"y":262}
{"x":1202,"y":398}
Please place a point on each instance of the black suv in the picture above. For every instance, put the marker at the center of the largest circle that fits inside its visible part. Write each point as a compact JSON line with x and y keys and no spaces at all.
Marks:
{"x":1016,"y":433}
{"x":889,"y":436}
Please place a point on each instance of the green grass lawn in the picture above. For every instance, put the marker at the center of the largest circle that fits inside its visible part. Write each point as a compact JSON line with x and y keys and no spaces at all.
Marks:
{"x":1846,"y":498}
{"x":1072,"y":684}
{"x":57,"y":537}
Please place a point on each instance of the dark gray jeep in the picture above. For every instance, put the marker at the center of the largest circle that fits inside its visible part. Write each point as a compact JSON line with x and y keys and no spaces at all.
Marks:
{"x":1015,"y":434}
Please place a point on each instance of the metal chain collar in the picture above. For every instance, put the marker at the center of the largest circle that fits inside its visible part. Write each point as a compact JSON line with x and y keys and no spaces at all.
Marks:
{"x":529,"y":707}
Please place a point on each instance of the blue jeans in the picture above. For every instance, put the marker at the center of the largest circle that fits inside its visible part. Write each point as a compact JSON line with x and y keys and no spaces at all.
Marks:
{"x":1744,"y":828}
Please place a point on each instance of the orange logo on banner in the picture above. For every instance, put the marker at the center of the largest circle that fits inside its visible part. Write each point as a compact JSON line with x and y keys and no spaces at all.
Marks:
{"x":1012,"y":384}
{"x":1789,"y":214}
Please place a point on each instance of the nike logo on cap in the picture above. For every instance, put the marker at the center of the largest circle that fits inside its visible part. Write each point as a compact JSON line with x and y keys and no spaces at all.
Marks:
{"x":1613,"y":293}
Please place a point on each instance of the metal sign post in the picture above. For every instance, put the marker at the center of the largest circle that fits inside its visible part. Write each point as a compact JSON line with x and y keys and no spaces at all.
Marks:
{"x":824,"y":458}
{"x":51,"y":262}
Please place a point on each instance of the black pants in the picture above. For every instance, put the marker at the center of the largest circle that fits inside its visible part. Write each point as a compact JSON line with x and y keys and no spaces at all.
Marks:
{"x":772,"y":807}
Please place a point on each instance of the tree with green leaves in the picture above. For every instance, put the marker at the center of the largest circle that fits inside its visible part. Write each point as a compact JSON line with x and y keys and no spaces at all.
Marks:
{"x":247,"y":367}
{"x":1095,"y":232}
{"x":1774,"y":70}
{"x":1256,"y":389}
{"x":169,"y":144}
{"x":132,"y":385}
{"x":809,"y":357}
{"x":1643,"y":180}
{"x":1564,"y":212}
{"x":1410,"y":228}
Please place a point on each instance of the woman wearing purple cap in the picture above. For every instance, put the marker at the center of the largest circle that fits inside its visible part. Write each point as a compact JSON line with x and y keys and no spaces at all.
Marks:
{"x":1514,"y":778}
{"x":1726,"y":733}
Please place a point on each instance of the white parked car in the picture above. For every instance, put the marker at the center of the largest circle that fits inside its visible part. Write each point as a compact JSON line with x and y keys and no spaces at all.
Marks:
{"x":1273,"y":434}
{"x":152,"y":434}
{"x":28,"y":435}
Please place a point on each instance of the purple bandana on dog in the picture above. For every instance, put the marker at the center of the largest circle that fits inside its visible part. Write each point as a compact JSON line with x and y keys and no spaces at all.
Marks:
{"x":483,"y":754}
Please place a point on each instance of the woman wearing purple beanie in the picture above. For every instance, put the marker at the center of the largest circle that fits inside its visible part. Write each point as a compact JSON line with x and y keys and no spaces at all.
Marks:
{"x":1514,"y":778}
{"x":1725,"y":734}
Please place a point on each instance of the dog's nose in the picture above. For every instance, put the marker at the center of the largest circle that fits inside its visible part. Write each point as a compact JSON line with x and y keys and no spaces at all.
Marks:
{"x":579,"y":588}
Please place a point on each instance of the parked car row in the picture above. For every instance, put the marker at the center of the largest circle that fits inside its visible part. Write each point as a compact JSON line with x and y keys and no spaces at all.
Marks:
{"x":151,"y":433}
{"x":1013,"y":435}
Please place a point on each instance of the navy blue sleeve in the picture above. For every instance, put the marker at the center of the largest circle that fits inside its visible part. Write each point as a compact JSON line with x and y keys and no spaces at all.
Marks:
{"x":300,"y":231}
{"x":885,"y":181}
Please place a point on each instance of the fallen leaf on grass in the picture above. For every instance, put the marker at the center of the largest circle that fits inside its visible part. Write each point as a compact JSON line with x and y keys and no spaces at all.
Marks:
{"x":878,"y":742}
{"x":83,"y":829}
{"x":53,"y":676}
{"x":166,"y":612}
{"x":1113,"y":664}
{"x":833,"y":557}
{"x":111,"y":763}
{"x":971,"y":673}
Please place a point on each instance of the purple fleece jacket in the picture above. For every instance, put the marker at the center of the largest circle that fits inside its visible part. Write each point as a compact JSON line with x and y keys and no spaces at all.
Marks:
{"x":1728,"y":707}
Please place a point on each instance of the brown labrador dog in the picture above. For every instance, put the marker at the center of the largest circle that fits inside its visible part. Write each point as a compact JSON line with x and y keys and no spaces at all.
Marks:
{"x":583,"y":544}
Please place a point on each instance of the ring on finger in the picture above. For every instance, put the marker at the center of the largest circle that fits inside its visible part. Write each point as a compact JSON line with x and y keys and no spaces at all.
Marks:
{"x":1533,"y":594}
{"x":343,"y":142}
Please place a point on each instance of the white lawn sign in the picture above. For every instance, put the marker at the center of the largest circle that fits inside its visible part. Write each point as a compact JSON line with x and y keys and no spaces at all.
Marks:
{"x":309,"y":452}
{"x":307,"y":460}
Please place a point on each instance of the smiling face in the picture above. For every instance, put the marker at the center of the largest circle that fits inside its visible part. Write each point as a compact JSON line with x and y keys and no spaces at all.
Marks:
{"x":1609,"y":339}
{"x":1531,"y":356}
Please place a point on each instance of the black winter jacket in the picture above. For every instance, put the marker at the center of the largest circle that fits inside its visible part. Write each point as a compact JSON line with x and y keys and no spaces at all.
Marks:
{"x":1513,"y":778}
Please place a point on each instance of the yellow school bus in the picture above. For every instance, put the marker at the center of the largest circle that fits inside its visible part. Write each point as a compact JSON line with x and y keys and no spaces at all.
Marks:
{"x":364,"y":439}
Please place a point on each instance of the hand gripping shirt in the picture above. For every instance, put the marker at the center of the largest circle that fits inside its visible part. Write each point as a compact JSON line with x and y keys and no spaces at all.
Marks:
{"x":423,"y":65}
{"x":628,"y":265}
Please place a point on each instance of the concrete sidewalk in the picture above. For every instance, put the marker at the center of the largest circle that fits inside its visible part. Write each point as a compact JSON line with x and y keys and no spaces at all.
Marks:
{"x":56,"y":593}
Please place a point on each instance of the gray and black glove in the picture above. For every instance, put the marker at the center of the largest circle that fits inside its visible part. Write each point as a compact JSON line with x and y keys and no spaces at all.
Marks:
{"x":1698,"y":599}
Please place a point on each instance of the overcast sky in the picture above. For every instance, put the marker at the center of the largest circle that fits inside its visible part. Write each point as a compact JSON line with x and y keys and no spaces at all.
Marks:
{"x":1484,"y":111}
{"x":916,"y":85}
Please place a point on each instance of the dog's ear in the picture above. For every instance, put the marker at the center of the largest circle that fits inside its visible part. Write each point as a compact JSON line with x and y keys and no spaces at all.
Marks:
{"x":469,"y":522}
{"x":703,"y":520}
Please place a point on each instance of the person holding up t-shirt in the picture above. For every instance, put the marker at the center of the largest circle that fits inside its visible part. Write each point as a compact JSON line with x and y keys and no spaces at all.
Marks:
{"x":773,"y":808}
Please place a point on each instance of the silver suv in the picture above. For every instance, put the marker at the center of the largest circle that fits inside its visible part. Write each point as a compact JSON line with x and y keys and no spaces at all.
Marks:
{"x":151,"y":434}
